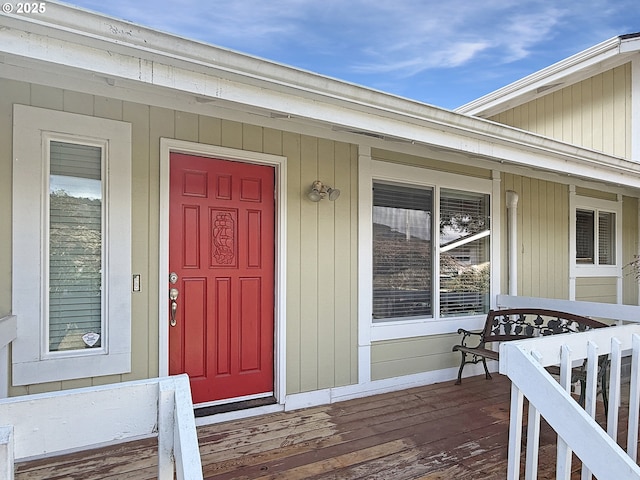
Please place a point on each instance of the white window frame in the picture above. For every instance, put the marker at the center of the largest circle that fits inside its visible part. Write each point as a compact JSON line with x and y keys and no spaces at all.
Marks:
{"x":375,"y":170}
{"x":33,"y":129}
{"x":596,"y":205}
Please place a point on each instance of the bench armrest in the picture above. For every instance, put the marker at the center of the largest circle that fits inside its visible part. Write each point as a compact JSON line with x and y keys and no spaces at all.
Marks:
{"x":467,"y":334}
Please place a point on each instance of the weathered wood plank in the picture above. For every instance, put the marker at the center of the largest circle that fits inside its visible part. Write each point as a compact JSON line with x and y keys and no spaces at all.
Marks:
{"x":441,"y":431}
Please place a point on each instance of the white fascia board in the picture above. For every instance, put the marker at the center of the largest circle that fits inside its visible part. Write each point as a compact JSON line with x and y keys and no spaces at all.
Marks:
{"x":307,"y":96}
{"x":631,"y":44}
{"x":603,"y":56}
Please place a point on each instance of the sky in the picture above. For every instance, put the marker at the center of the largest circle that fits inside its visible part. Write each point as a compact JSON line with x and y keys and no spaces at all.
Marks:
{"x":441,"y":52}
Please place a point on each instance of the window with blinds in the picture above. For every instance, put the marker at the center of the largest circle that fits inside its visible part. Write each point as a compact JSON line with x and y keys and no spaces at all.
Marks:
{"x":75,"y":246}
{"x":592,"y":225}
{"x":464,"y":244}
{"x":402,"y":252}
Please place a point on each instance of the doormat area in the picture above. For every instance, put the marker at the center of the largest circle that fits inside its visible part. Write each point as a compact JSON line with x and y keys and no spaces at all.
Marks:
{"x":234,"y":406}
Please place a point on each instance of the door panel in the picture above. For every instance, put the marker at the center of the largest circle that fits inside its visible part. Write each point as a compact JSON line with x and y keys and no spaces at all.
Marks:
{"x":221,"y":245}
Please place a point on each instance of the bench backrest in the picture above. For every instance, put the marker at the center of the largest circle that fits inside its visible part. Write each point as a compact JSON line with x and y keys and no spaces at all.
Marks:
{"x":519,"y":323}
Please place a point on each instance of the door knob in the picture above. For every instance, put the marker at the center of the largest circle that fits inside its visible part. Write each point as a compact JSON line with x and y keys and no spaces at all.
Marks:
{"x":173,"y":296}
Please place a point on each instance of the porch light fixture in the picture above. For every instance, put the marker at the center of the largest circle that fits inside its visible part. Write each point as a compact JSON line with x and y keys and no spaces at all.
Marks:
{"x":319,"y":191}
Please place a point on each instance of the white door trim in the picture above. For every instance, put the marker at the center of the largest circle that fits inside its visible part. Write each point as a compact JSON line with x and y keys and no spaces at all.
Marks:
{"x":168,"y":145}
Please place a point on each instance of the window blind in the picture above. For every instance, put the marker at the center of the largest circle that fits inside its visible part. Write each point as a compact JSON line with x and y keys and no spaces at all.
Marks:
{"x":606,"y":238}
{"x":402,"y":252}
{"x":585,"y":244}
{"x":464,"y":253}
{"x":75,"y":245}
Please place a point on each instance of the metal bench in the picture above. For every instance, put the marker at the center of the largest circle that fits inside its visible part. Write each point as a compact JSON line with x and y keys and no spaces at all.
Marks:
{"x":520,"y":323}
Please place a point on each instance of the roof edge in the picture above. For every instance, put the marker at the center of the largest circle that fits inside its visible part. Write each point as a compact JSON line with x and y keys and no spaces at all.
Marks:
{"x":549,"y":77}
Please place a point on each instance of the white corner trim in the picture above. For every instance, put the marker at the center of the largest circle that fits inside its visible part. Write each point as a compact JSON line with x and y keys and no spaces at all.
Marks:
{"x":635,"y":108}
{"x":365,"y":235}
{"x":167,"y":146}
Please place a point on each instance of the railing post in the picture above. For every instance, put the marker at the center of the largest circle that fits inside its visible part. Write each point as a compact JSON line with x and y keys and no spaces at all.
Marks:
{"x":6,"y":453}
{"x":8,"y":333}
{"x":187,"y":453}
{"x":166,"y":428}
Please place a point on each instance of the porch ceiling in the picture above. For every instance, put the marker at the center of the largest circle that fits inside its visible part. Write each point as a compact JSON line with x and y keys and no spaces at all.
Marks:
{"x":91,"y":53}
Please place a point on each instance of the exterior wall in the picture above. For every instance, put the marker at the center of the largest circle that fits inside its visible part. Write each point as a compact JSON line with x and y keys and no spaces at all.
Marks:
{"x":322,"y":320}
{"x":413,"y":355}
{"x":543,"y":237}
{"x":321,"y":238}
{"x":594,"y":113}
{"x":596,"y":289}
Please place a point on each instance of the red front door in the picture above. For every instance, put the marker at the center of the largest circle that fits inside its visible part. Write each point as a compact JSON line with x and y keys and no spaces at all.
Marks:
{"x":221,"y":246}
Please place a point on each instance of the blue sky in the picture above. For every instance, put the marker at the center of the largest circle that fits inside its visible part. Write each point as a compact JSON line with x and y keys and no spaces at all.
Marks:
{"x":444,"y":52}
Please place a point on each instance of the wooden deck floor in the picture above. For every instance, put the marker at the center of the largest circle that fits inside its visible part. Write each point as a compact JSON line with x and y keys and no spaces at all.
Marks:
{"x":441,"y":431}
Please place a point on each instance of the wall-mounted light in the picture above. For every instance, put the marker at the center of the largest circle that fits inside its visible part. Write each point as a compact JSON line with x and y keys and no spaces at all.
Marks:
{"x":319,"y":191}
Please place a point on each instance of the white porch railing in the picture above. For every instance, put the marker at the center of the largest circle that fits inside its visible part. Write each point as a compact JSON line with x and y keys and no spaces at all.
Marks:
{"x":52,"y":423}
{"x":524,"y":361}
{"x":612,"y":311}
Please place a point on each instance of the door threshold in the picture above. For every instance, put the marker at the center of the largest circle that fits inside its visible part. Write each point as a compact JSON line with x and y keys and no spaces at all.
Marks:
{"x":233,"y":406}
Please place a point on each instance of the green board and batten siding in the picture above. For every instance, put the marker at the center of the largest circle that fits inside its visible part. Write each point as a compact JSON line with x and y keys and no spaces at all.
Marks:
{"x":594,"y":113}
{"x":321,"y":296}
{"x":321,"y":237}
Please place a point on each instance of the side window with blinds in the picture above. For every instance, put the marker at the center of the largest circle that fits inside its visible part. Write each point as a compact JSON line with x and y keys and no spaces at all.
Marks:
{"x":75,"y":247}
{"x":595,"y":232}
{"x":72,"y":216}
{"x":464,"y":253}
{"x":402,"y":252}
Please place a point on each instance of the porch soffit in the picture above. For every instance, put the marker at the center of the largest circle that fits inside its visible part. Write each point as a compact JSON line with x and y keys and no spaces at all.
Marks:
{"x":109,"y":57}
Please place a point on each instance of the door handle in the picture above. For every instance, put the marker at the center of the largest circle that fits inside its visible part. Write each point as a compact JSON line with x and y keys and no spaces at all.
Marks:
{"x":173,"y":295}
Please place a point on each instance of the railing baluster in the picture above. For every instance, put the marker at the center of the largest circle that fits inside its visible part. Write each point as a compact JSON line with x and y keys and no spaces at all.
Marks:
{"x":614,"y":388}
{"x":563,"y":462}
{"x":515,"y":433}
{"x":634,"y":399}
{"x":591,"y":392}
{"x":533,"y":436}
{"x":533,"y":444}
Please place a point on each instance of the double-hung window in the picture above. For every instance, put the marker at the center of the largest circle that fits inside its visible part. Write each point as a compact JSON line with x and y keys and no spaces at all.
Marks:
{"x":71,"y":246}
{"x":596,"y":237}
{"x":430,"y":250}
